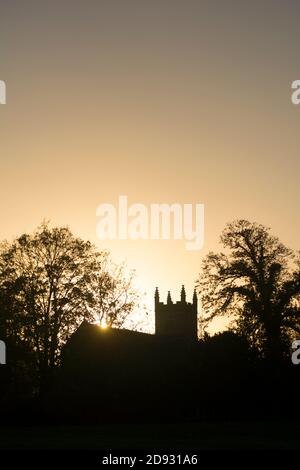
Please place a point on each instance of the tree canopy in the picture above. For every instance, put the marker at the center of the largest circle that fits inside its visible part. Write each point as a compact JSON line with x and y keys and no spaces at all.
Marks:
{"x":50,"y":281}
{"x":256,"y":283}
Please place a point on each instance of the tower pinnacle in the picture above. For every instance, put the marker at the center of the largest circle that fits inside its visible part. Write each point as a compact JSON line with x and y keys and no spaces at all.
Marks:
{"x":195,"y":298}
{"x":183,"y":295}
{"x":156,"y":296}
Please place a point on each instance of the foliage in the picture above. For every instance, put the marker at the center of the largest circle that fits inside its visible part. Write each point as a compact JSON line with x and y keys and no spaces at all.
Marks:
{"x":50,"y":282}
{"x":257,"y":282}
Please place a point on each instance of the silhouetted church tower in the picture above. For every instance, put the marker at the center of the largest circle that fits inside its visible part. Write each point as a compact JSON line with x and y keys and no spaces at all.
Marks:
{"x":176,"y":319}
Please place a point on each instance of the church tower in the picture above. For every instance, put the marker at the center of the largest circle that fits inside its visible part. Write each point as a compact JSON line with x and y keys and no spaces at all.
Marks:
{"x":176,"y":319}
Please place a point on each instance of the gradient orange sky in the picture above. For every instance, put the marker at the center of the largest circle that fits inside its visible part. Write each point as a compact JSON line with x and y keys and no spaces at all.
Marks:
{"x":162,"y":101}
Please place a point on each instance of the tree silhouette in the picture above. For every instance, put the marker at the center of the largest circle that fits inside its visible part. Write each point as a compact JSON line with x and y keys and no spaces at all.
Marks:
{"x":114,"y":297}
{"x":257,"y":283}
{"x":47,"y":288}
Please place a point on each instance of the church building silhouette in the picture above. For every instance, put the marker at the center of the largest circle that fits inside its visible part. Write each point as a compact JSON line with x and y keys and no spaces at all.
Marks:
{"x":176,"y":319}
{"x":137,"y":373}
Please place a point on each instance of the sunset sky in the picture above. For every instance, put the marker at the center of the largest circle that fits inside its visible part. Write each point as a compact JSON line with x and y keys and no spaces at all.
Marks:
{"x":162,"y":101}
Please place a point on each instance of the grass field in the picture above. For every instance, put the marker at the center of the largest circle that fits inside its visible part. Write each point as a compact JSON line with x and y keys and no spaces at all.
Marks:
{"x":254,"y":435}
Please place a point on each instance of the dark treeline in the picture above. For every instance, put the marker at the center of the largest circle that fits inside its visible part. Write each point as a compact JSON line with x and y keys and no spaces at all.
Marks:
{"x":62,"y":368}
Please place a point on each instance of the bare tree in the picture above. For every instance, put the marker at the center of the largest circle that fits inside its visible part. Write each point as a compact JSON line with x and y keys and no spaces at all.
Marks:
{"x":114,"y":296}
